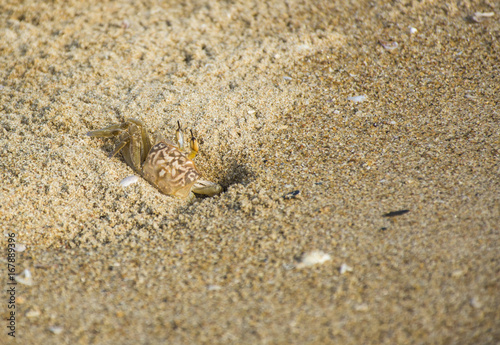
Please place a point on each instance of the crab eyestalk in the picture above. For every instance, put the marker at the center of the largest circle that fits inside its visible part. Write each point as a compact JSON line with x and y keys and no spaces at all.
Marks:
{"x":179,"y":136}
{"x":193,"y":143}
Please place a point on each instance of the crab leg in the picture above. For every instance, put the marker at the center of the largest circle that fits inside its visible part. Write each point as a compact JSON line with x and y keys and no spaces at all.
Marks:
{"x":136,"y":149}
{"x":109,"y":131}
{"x":118,"y":147}
{"x":142,"y":136}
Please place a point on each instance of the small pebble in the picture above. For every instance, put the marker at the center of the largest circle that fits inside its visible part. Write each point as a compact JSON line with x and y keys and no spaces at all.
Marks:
{"x":127,"y":181}
{"x":313,"y":258}
{"x":287,"y":78}
{"x":413,"y":30}
{"x":291,"y":195}
{"x":395,"y":213}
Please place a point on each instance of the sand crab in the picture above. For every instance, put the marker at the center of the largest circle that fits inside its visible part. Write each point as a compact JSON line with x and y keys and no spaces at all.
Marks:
{"x":163,"y":164}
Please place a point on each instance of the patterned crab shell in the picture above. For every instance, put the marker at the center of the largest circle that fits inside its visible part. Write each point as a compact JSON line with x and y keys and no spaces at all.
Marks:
{"x":170,"y":170}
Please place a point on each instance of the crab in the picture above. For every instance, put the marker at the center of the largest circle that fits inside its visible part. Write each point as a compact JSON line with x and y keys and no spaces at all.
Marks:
{"x":164,"y":164}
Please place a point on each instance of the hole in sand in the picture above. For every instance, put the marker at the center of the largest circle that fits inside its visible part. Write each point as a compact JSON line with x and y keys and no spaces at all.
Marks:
{"x":236,"y":174}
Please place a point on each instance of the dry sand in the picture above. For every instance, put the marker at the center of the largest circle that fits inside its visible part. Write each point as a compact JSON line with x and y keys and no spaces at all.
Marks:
{"x":266,"y":88}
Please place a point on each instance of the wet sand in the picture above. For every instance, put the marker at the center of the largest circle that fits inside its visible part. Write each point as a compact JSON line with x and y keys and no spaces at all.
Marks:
{"x":319,"y":119}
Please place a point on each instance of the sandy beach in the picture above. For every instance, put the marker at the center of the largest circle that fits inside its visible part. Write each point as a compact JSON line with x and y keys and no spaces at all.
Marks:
{"x":357,"y":144}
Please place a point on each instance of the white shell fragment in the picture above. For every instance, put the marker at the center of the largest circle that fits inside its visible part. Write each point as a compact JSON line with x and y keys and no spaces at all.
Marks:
{"x":361,"y":307}
{"x":313,"y":258}
{"x":33,"y":313}
{"x":129,"y":180}
{"x":213,"y":287}
{"x":475,"y":302}
{"x":56,"y":329}
{"x":24,"y":278}
{"x":125,"y":24}
{"x":357,"y":99}
{"x":484,"y":14}
{"x":389,"y":45}
{"x":479,"y":16}
{"x":412,"y":30}
{"x":345,"y":268}
{"x":457,"y":273}
{"x":20,"y":247}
